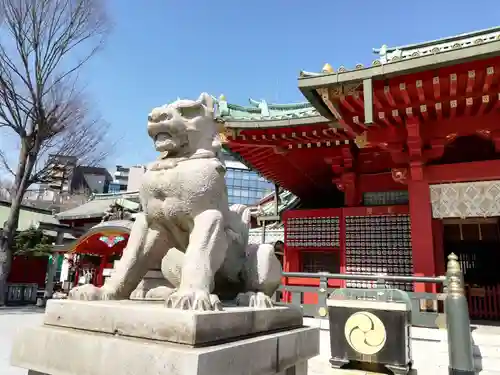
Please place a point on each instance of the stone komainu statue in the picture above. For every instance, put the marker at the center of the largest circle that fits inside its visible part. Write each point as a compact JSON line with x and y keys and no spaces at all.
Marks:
{"x":187,"y":225}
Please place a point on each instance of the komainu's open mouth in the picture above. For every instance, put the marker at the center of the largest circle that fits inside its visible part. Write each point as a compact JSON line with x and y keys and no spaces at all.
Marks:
{"x":163,"y":136}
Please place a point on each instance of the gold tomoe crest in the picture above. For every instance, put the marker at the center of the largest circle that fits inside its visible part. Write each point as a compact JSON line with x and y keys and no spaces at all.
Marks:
{"x":365,"y":333}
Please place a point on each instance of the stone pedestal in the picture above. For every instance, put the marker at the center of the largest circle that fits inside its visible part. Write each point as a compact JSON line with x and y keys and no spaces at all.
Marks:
{"x":145,"y":338}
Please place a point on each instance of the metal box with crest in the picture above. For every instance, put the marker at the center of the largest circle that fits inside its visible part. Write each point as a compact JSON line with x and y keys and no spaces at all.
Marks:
{"x":371,"y":326}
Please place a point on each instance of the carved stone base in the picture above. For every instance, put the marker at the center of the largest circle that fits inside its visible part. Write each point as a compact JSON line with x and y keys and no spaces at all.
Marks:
{"x":152,"y":320}
{"x":130,"y":337}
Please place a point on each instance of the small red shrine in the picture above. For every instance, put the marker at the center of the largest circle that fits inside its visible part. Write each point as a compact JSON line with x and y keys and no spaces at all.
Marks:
{"x":97,"y":249}
{"x":104,"y":224}
{"x":396,"y":164}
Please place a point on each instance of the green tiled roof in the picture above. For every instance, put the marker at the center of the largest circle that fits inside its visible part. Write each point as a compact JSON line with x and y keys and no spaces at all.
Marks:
{"x":389,"y":55}
{"x":287,"y":201}
{"x":261,"y":110}
{"x":98,"y":204}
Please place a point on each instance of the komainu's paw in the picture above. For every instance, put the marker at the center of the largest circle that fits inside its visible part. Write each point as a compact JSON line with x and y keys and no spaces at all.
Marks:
{"x":160,"y":292}
{"x":254,"y":299}
{"x":89,"y":292}
{"x":193,"y":299}
{"x":138,"y":293}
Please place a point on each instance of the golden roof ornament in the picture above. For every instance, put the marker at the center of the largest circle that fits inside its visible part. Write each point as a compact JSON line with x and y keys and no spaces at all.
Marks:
{"x":361,"y":140}
{"x":223,"y":138}
{"x":327,"y":68}
{"x":222,"y":132}
{"x":221,"y":128}
{"x":222,"y":98}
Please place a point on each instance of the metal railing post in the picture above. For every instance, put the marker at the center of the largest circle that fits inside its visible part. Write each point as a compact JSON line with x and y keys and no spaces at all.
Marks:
{"x":380,"y":284}
{"x":322,"y":295}
{"x":457,"y":321}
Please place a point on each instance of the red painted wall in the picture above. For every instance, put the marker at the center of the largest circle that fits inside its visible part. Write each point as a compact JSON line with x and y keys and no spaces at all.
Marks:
{"x":28,"y":269}
{"x":379,"y":182}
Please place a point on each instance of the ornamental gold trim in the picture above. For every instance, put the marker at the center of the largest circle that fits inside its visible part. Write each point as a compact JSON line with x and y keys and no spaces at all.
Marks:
{"x":362,"y":140}
{"x":365,"y":333}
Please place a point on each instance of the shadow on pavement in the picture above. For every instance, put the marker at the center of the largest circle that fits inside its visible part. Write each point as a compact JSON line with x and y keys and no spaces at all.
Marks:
{"x":20,"y":310}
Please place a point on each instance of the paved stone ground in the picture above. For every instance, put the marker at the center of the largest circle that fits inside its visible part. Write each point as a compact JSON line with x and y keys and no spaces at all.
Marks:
{"x":11,"y":320}
{"x":14,"y":319}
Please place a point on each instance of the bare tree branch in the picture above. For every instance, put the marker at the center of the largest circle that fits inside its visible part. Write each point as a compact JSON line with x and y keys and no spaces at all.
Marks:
{"x":5,"y":164}
{"x":43,"y":46}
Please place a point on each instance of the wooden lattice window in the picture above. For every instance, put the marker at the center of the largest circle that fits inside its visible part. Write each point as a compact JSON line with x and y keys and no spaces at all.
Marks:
{"x":320,"y":261}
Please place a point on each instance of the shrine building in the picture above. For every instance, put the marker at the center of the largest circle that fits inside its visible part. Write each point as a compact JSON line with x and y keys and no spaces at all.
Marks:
{"x":396,"y":164}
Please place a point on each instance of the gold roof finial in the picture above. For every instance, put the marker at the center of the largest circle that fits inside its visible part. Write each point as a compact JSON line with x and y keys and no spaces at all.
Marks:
{"x":361,"y":140}
{"x":223,"y":138}
{"x":327,"y":68}
{"x":221,"y":127}
{"x":222,"y":98}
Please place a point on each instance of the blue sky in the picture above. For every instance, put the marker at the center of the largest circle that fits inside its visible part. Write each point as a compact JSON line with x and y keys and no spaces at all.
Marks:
{"x":162,"y":49}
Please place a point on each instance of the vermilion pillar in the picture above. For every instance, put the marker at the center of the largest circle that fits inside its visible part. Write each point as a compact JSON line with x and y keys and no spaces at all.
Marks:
{"x":439,"y":257}
{"x":291,"y":263}
{"x":102,"y":266}
{"x":349,"y":186}
{"x":421,"y":230}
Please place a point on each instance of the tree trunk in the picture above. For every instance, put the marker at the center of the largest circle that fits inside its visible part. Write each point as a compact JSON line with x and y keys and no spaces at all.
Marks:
{"x":6,"y":241}
{"x":27,"y":161}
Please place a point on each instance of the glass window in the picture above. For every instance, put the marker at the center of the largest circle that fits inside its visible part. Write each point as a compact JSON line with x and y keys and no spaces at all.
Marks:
{"x":245,"y":184}
{"x":246,"y":175}
{"x":230,"y":173}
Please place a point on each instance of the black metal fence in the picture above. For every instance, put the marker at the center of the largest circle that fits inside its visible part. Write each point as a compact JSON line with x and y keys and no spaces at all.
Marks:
{"x":21,"y":294}
{"x":427,"y":308}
